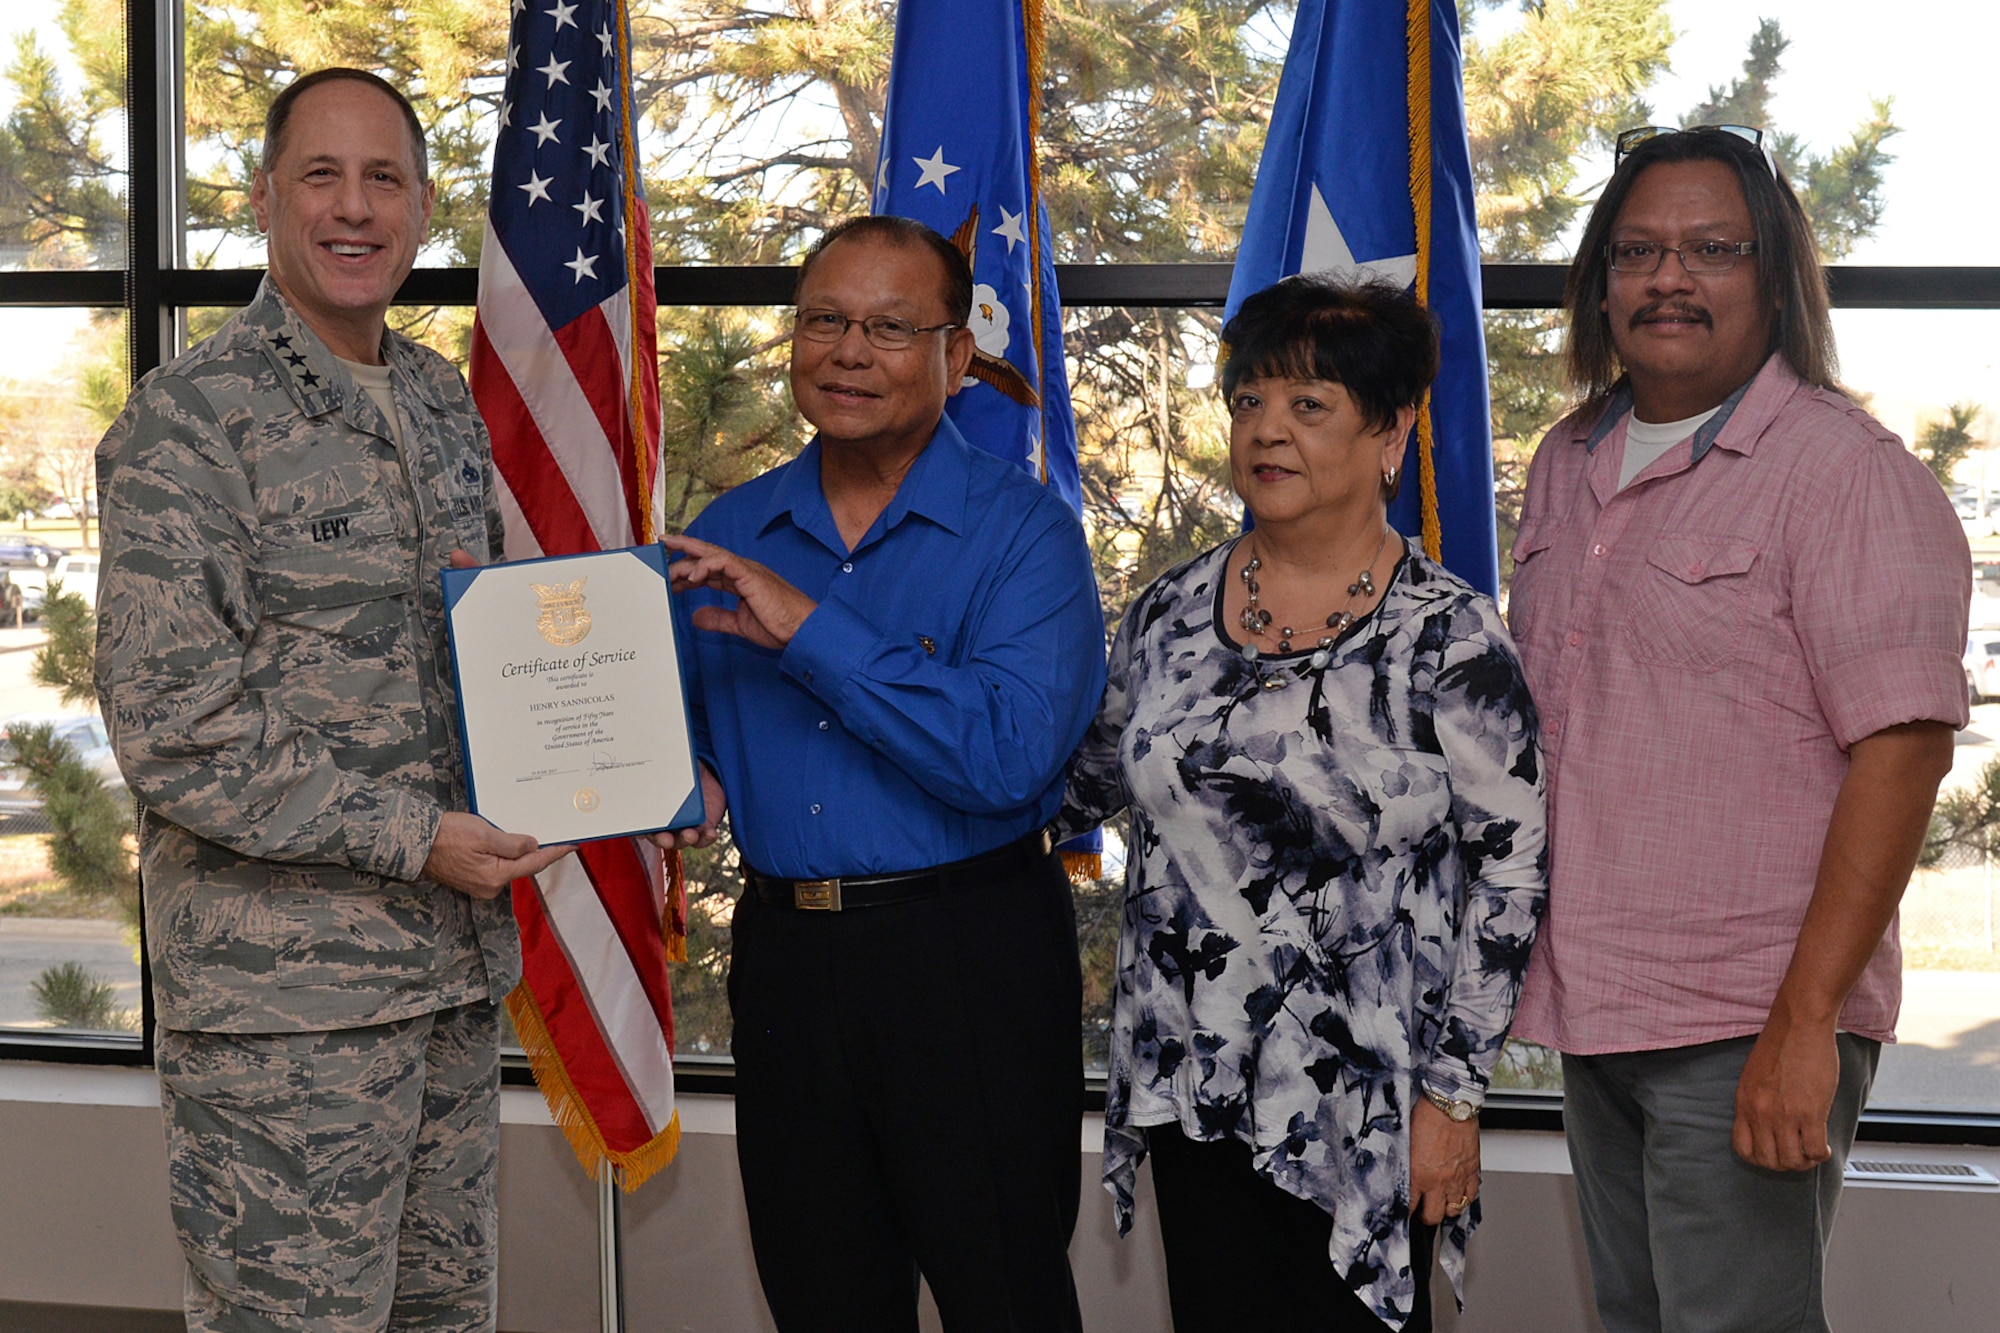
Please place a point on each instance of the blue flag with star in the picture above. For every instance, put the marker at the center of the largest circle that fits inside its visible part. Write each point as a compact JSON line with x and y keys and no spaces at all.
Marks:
{"x":958,"y":155}
{"x":1366,"y":168}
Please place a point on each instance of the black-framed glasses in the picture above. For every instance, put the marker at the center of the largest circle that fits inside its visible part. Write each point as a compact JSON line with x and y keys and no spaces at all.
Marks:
{"x":885,"y":332}
{"x":1750,"y":134}
{"x":1709,"y":256}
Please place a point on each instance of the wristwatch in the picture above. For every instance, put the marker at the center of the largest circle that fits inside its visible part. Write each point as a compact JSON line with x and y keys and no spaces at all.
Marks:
{"x":1455,"y":1108}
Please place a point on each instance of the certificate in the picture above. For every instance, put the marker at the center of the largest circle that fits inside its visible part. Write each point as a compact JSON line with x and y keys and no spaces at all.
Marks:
{"x":570,"y":700}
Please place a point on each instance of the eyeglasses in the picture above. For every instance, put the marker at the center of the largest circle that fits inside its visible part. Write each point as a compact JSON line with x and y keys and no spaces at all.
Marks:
{"x":885,"y":332}
{"x":1695,"y":256}
{"x":1750,"y":134}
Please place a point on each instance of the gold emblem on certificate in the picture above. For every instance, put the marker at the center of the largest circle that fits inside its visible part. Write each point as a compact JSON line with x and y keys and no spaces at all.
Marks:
{"x":587,"y":801}
{"x":564,"y":620}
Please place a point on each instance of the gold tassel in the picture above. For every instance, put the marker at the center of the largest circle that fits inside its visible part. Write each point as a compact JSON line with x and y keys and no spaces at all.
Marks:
{"x":572,"y":1117}
{"x":1419,"y":38}
{"x":1083,"y":867}
{"x":673,"y":915}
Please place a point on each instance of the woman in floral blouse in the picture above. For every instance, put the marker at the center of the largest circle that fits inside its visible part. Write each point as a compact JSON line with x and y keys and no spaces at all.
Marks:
{"x":1335,"y":864}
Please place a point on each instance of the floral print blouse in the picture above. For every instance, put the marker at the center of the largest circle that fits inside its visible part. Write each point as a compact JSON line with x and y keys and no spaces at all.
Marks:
{"x":1333,"y":879}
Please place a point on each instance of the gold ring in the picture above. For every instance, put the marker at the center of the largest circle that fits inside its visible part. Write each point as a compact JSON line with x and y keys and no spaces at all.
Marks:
{"x":1460,"y":1205}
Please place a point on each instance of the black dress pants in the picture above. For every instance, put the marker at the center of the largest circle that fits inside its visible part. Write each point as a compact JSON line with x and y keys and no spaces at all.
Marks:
{"x":909,"y":1093}
{"x":1244,"y":1254}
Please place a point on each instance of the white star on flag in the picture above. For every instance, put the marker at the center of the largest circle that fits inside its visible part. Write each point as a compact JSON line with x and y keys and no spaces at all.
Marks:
{"x":537,"y":188}
{"x":545,"y":130}
{"x":599,"y":152}
{"x":935,"y":170}
{"x":513,"y":58}
{"x":519,"y":5}
{"x":604,"y":39}
{"x":507,"y":114}
{"x":1325,"y":250}
{"x":881,"y":177}
{"x":1010,"y":228}
{"x":584,"y":266}
{"x":603,"y":96}
{"x":592,"y":209}
{"x":554,"y":70}
{"x":561,"y":14}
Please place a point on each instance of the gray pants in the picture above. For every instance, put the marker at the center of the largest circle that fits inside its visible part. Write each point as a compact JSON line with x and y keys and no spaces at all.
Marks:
{"x":1684,"y":1236}
{"x":337,"y":1182}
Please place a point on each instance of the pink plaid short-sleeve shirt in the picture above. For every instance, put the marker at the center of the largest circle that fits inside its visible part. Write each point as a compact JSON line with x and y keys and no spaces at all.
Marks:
{"x":1703,"y":647}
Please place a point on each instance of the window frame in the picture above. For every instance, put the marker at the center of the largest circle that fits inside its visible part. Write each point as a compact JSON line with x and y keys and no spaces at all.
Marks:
{"x":156,"y":287}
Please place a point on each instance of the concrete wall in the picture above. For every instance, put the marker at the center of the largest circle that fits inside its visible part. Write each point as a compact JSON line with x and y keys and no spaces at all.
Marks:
{"x":84,"y":1224}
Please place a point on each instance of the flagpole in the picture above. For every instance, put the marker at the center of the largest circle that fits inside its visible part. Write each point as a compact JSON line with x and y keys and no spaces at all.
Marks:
{"x":610,"y":1251}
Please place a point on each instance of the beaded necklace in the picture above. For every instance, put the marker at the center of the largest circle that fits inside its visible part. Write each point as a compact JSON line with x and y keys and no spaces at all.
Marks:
{"x":1257,"y":621}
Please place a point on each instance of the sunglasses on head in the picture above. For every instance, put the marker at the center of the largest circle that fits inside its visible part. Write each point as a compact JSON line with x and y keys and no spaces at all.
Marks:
{"x":1750,"y":134}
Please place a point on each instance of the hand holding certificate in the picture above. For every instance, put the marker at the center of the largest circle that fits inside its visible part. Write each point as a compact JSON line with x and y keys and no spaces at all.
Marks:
{"x":571,"y":705}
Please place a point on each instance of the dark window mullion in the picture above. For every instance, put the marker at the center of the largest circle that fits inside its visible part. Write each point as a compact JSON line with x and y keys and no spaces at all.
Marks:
{"x":1507,"y":286}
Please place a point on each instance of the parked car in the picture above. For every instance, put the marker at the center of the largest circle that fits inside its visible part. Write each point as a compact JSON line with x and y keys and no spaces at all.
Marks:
{"x":1982,"y":665}
{"x":77,"y":572}
{"x":20,"y":551}
{"x":25,"y":563}
{"x":86,"y":735}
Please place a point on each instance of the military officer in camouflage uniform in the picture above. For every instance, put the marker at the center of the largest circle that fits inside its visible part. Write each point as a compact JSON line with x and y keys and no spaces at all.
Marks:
{"x":327,"y":929}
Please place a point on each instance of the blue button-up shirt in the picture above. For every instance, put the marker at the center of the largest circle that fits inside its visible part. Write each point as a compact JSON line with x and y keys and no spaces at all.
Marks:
{"x":926,"y":711}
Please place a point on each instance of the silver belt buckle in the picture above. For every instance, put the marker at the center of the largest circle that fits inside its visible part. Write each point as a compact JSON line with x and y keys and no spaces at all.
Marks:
{"x":816,"y":895}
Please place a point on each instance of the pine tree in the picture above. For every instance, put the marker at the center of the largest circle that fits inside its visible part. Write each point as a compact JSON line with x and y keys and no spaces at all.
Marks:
{"x":1941,"y":444}
{"x":66,"y":662}
{"x":87,"y":847}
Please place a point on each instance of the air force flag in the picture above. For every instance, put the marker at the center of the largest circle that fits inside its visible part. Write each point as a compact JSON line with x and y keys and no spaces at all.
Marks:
{"x":958,"y":154}
{"x":1366,"y":168}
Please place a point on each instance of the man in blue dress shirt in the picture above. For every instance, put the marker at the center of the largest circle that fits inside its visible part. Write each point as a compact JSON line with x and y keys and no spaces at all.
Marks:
{"x":899,"y":644}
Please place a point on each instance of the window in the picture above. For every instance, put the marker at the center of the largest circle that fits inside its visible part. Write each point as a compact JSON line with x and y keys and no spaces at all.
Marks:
{"x":1152,"y":142}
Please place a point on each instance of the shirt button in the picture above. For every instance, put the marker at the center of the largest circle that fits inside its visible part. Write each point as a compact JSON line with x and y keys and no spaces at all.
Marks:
{"x":1597,"y":549}
{"x":847,"y":568}
{"x":824,"y":725}
{"x":1575,"y":638}
{"x":808,"y":676}
{"x":815,"y":807}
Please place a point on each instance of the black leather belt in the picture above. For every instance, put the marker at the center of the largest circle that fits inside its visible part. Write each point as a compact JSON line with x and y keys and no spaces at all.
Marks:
{"x":849,"y":893}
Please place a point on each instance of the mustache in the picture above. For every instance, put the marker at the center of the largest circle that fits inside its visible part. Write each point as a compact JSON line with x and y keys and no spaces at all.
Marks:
{"x":1677,"y":309}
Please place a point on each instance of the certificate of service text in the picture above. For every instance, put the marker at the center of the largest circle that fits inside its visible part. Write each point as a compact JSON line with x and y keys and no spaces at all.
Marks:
{"x":570,"y":699}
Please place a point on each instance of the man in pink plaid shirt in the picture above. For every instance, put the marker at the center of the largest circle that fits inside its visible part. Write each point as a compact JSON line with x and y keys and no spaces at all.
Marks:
{"x":1741,"y":604}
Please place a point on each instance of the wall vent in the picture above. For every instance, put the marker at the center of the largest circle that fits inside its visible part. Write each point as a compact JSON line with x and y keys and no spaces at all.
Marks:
{"x":1922,"y":1173}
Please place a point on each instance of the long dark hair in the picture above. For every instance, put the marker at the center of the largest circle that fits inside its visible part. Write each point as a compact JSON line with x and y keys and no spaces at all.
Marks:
{"x":1790,"y":281}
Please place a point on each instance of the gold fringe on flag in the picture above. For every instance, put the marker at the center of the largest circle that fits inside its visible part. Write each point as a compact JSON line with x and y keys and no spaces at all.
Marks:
{"x":1419,"y":31}
{"x":1083,"y":867}
{"x":633,"y":277}
{"x":1031,"y":29}
{"x":632,"y":1169}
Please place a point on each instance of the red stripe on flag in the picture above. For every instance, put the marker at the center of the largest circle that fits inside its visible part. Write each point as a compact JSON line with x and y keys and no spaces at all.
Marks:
{"x":592,"y":354}
{"x":627,"y":894}
{"x":587,"y":1061}
{"x":523,"y":458}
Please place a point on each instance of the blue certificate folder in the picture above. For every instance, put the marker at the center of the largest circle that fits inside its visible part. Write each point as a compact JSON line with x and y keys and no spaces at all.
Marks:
{"x":571,"y":707}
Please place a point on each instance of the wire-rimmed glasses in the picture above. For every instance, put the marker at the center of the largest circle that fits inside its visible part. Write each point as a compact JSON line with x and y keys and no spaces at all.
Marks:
{"x":885,"y":332}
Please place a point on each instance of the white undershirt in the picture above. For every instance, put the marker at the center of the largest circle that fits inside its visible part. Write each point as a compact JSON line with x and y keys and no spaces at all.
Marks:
{"x":1647,"y":440}
{"x":376,"y":383}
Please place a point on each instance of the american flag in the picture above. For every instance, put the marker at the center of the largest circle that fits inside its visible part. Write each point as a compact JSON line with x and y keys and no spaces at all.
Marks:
{"x":565,"y":374}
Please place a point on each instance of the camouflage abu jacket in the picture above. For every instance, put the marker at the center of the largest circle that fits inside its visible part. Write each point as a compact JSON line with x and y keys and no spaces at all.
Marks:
{"x":272,"y":666}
